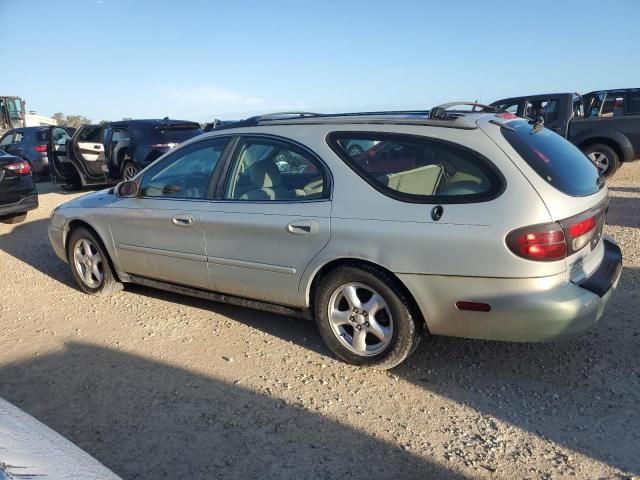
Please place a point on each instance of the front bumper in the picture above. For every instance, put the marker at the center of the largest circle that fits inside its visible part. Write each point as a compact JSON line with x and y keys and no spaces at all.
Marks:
{"x":30,"y":202}
{"x":522,"y":310}
{"x":56,"y":237}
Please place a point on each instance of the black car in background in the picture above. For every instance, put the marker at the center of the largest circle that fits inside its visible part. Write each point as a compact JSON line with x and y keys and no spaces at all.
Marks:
{"x":604,"y":124}
{"x":18,"y":192}
{"x":32,"y":144}
{"x":108,"y":153}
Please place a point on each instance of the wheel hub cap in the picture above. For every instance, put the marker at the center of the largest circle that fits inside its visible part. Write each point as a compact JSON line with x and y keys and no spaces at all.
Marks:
{"x":361,"y":319}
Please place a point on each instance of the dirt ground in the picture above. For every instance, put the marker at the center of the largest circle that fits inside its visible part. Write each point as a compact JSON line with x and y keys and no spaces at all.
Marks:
{"x":157,"y":385}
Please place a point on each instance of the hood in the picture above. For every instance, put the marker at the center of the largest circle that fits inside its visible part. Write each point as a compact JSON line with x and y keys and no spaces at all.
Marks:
{"x":100,"y":199}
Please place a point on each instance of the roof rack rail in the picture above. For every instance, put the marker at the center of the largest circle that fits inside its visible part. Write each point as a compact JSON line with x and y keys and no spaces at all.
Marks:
{"x":475,"y":107}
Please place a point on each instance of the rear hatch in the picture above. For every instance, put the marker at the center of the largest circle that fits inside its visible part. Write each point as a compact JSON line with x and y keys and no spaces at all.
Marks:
{"x":568,"y":183}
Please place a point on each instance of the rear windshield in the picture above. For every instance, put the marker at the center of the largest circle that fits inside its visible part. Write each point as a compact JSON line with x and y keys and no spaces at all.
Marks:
{"x":42,"y":135}
{"x":174,"y":133}
{"x":555,"y":159}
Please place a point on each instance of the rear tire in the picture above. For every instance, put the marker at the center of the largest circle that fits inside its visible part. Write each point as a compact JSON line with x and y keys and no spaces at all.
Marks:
{"x":604,"y":158}
{"x":379,"y":331}
{"x":129,"y":170}
{"x":90,"y":264}
{"x":13,"y":219}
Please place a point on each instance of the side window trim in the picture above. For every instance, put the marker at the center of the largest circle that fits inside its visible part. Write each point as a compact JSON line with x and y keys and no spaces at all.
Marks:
{"x":239,"y":140}
{"x":332,"y":140}
{"x":174,"y":156}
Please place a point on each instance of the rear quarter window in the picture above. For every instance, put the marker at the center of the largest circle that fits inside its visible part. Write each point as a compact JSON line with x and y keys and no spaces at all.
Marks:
{"x":556,"y":160}
{"x":418,"y":169}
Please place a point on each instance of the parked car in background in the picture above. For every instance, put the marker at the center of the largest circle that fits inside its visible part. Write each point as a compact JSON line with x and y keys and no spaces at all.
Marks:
{"x":604,"y":124}
{"x":489,"y":227}
{"x":32,"y":144}
{"x":106,"y":154}
{"x":18,"y":192}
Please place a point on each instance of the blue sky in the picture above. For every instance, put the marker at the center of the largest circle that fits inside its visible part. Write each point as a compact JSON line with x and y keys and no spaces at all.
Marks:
{"x":200,"y":59}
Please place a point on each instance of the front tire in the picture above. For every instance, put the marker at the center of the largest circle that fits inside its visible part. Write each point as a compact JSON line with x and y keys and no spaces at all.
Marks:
{"x":13,"y":219}
{"x":90,"y":264}
{"x":604,"y":158}
{"x":365,"y":318}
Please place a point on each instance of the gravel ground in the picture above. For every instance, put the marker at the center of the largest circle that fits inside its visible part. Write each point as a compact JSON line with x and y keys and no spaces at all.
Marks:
{"x":156,"y":385}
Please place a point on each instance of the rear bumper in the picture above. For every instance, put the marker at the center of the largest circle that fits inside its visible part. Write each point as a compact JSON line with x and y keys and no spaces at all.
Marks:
{"x":522,"y":310}
{"x":40,"y":164}
{"x":30,"y":202}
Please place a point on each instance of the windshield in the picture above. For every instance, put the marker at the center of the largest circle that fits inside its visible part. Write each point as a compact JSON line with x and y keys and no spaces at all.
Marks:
{"x":555,"y":159}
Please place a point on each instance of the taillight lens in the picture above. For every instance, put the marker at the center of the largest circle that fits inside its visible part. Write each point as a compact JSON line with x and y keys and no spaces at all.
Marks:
{"x":539,"y":242}
{"x":40,"y":148}
{"x":21,"y":168}
{"x":580,"y":233}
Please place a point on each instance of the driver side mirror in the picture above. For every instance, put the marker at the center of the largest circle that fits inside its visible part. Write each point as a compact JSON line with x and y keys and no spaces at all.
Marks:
{"x":127,"y":189}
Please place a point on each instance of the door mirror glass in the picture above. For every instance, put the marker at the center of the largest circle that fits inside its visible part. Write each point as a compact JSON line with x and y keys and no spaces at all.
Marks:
{"x":127,"y":189}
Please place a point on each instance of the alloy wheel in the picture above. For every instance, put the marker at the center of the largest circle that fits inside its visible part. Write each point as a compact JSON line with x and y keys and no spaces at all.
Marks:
{"x":600,"y":160}
{"x":129,"y":172}
{"x":361,"y":319}
{"x":88,"y":263}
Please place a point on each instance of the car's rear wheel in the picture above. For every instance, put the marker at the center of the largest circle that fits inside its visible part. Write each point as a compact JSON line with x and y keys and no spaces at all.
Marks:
{"x":129,"y":170}
{"x":365,"y":318}
{"x":13,"y":219}
{"x":90,"y":264}
{"x":604,"y":158}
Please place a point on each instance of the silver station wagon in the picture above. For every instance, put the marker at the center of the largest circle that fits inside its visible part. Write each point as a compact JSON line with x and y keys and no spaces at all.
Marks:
{"x":382,"y":226}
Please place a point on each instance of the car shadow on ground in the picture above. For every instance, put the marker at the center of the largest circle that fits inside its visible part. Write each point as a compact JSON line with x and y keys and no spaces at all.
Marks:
{"x":624,"y":212}
{"x":147,"y":420}
{"x":29,"y":242}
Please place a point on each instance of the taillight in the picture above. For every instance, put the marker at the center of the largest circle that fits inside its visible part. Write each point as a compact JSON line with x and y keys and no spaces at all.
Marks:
{"x":40,"y":148}
{"x":581,"y":232}
{"x":539,"y":242}
{"x":21,"y":168}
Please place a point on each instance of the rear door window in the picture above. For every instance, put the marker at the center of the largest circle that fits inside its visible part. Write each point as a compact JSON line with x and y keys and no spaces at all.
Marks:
{"x":418,"y":169}
{"x":6,"y":140}
{"x":632,"y":104}
{"x":557,"y":161}
{"x":548,"y":109}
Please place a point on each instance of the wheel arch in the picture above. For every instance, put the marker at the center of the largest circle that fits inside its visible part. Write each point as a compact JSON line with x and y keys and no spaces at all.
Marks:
{"x":614,"y":139}
{"x":323,"y":270}
{"x":78,"y":223}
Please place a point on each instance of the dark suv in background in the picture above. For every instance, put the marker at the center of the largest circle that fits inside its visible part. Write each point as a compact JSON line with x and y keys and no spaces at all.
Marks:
{"x":108,"y":153}
{"x":604,"y":124}
{"x":32,"y":144}
{"x":18,"y":193}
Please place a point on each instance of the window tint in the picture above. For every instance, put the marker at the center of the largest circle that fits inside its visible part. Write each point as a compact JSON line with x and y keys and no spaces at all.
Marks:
{"x":91,"y":135}
{"x":552,"y":157}
{"x":60,"y":136}
{"x":184,"y":174}
{"x":42,"y":135}
{"x":613,"y":104}
{"x":417,"y":168}
{"x":548,"y":109}
{"x":6,"y":141}
{"x":266,"y":170}
{"x":633,"y":101}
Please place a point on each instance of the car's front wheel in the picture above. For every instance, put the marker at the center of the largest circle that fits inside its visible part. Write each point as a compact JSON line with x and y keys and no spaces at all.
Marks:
{"x":365,"y":318}
{"x":13,"y":219}
{"x":90,"y":264}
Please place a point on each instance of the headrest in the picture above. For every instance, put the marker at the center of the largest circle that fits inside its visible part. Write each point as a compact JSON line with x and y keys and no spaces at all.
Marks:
{"x":265,"y":174}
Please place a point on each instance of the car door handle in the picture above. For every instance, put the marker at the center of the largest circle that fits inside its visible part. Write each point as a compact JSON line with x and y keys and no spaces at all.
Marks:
{"x":303,"y":227}
{"x":183,"y":220}
{"x":96,"y":147}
